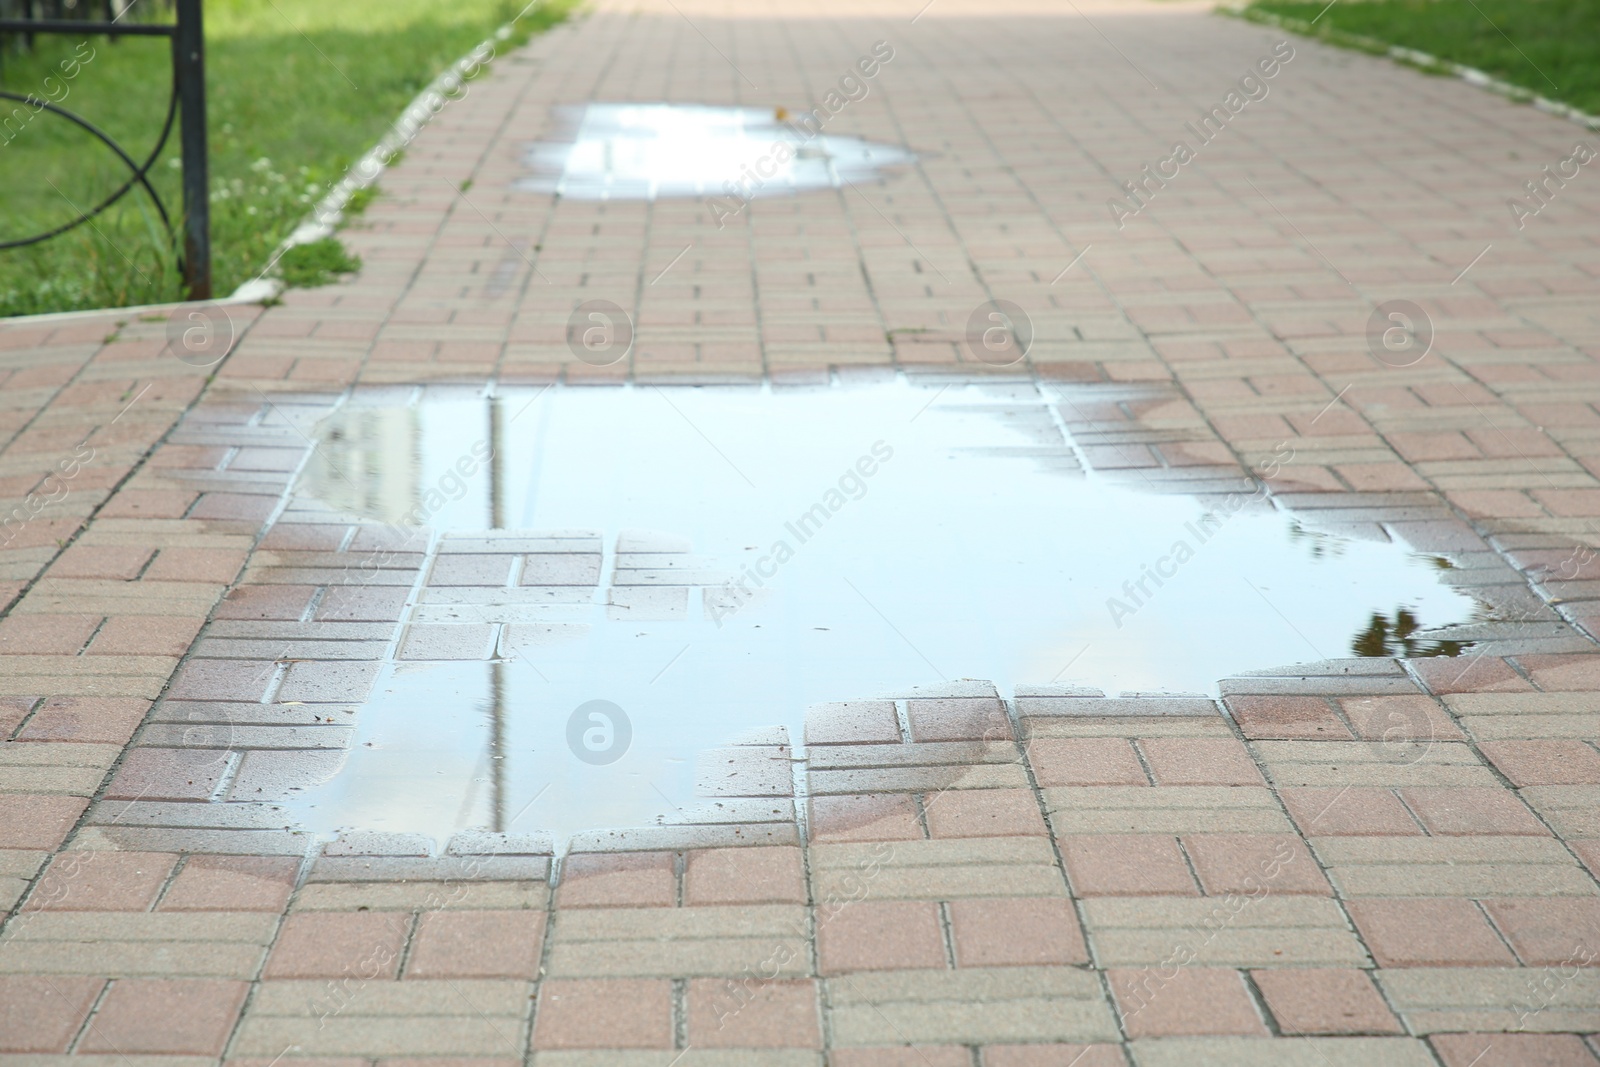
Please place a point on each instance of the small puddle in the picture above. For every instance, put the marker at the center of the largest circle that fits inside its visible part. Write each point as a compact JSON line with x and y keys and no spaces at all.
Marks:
{"x":710,"y":561}
{"x":646,"y":151}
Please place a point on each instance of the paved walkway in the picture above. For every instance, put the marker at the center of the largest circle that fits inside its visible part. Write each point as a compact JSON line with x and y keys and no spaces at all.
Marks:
{"x":1352,"y":863}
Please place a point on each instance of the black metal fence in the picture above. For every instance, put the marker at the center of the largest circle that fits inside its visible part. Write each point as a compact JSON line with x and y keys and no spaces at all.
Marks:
{"x":21,"y":21}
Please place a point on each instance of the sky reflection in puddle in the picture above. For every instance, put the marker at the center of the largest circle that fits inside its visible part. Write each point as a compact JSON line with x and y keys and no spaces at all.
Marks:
{"x":714,"y":560}
{"x":646,"y":151}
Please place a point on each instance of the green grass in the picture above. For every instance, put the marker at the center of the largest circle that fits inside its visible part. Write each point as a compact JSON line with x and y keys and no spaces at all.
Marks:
{"x":297,"y":91}
{"x":317,"y":263}
{"x":1549,"y":47}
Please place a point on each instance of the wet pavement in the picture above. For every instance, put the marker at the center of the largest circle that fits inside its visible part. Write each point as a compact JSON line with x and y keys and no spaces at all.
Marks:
{"x":655,"y":616}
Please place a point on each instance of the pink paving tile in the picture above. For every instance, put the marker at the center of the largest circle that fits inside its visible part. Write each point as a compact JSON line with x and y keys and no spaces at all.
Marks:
{"x":599,"y":880}
{"x":1325,"y":1000}
{"x":745,"y":876}
{"x":37,"y":822}
{"x":1563,"y":673}
{"x":339,"y":944}
{"x":754,"y":1014}
{"x":476,"y":944}
{"x":1192,"y":1001}
{"x":168,"y":774}
{"x":1479,"y":674}
{"x":1550,"y":931}
{"x":121,"y":562}
{"x":177,"y":1017}
{"x":46,"y":635}
{"x":89,"y":720}
{"x":1199,"y":761}
{"x":232,"y":883}
{"x":1294,"y":717}
{"x":1349,"y":811}
{"x":1400,"y":720}
{"x":1085,"y":761}
{"x":903,"y":1056}
{"x":608,"y":1013}
{"x":1513,"y":1050}
{"x":1428,"y":932}
{"x":1127,"y":865}
{"x":872,"y":935}
{"x":852,"y":723}
{"x":1472,"y":810}
{"x":860,"y":817}
{"x":983,"y":813}
{"x":1021,"y":931}
{"x":1053,"y":1056}
{"x":1252,"y":863}
{"x":1528,"y":763}
{"x":43,"y":1013}
{"x":96,"y":880}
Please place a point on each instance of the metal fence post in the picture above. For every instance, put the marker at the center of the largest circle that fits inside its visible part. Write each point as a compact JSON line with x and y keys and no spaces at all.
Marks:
{"x":189,"y":73}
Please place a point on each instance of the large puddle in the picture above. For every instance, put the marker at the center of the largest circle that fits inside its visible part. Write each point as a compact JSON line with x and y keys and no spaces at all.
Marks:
{"x":707,"y":562}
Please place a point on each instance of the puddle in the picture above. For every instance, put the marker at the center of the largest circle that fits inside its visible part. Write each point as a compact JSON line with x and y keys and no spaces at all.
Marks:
{"x":645,"y":151}
{"x":711,"y":561}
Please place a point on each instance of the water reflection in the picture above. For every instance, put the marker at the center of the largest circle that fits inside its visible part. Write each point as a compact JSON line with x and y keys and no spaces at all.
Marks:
{"x":711,"y":561}
{"x":646,"y":151}
{"x":1397,"y":637}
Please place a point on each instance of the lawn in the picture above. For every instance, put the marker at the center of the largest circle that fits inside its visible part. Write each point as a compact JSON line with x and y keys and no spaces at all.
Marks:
{"x":298,"y":90}
{"x":1549,"y":47}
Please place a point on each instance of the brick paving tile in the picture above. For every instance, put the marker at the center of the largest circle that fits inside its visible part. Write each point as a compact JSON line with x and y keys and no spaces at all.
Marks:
{"x":1199,"y":761}
{"x":1513,"y":1050}
{"x":1127,"y":865}
{"x":44,"y":1014}
{"x":773,"y":1014}
{"x":901,"y":1056}
{"x":958,"y":719}
{"x":102,"y":881}
{"x":1053,"y":1055}
{"x":61,"y":635}
{"x":1252,"y":863}
{"x":41,"y":822}
{"x":476,"y":944}
{"x":1195,"y":1000}
{"x":1325,"y":1000}
{"x":1482,"y":674}
{"x":1424,"y":931}
{"x":881,"y":934}
{"x":336,"y":944}
{"x":864,"y":818}
{"x":1085,"y":761}
{"x":1528,"y":763}
{"x":176,"y":1017}
{"x":1471,"y":811}
{"x":1349,"y":811}
{"x":1399,"y":718}
{"x":608,"y":1013}
{"x":1287,"y":717}
{"x":108,"y":720}
{"x":744,"y":876}
{"x":984,"y":813}
{"x":1024,"y":931}
{"x":1556,"y":932}
{"x":102,"y":561}
{"x":1589,"y":853}
{"x":168,"y":774}
{"x":619,"y":880}
{"x":231,"y":883}
{"x":852,"y":723}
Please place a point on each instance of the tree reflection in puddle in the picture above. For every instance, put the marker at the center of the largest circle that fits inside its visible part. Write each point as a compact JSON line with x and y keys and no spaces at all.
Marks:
{"x":1385,"y":637}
